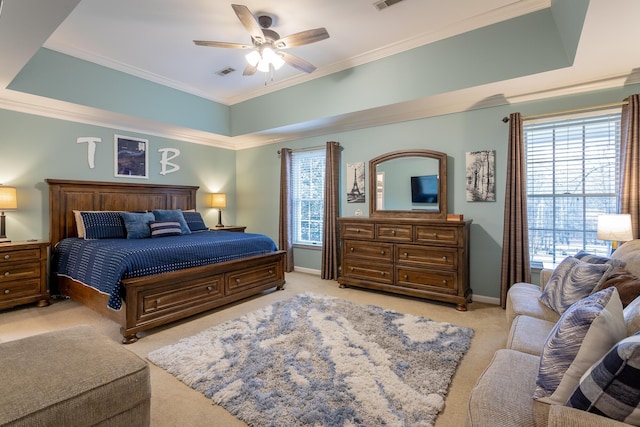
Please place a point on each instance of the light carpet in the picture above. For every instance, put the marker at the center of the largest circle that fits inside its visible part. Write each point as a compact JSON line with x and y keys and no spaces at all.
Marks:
{"x":319,"y":360}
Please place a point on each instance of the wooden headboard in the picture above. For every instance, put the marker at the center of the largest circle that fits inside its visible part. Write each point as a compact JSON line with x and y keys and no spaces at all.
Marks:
{"x":67,"y":196}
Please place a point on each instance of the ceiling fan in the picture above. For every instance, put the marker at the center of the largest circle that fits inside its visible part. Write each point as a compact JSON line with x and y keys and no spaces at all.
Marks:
{"x":267,"y":48}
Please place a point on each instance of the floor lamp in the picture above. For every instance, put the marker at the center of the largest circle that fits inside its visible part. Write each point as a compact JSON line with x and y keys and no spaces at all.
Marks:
{"x":8,"y":201}
{"x":219,"y":201}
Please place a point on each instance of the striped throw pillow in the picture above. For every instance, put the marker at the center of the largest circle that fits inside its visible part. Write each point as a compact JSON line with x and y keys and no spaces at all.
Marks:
{"x":165,"y":228}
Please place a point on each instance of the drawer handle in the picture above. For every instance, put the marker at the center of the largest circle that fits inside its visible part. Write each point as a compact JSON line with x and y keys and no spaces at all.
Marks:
{"x":351,"y":269}
{"x":6,"y":273}
{"x":270,"y":271}
{"x":444,"y":258}
{"x":435,"y":235}
{"x":6,"y":291}
{"x":353,"y":249}
{"x":444,"y":282}
{"x":382,"y":273}
{"x":7,"y":256}
{"x":209,"y":288}
{"x":406,"y":254}
{"x":237,"y":280}
{"x":406,"y":276}
{"x":381,"y":252}
{"x":393,"y":232}
{"x":357,"y":230}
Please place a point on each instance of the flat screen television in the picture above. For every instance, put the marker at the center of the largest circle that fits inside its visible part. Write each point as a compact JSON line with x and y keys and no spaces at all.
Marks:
{"x":424,"y":189}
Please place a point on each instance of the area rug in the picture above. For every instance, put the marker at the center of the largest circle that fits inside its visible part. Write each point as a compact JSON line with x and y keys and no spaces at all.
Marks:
{"x":315,"y":360}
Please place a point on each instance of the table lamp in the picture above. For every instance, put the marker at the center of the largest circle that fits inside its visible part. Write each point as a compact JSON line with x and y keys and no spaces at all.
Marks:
{"x":8,"y":201}
{"x":615,"y":227}
{"x":219,"y":201}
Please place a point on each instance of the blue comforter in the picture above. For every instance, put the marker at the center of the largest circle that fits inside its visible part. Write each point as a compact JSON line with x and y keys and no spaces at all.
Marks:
{"x":102,"y":264}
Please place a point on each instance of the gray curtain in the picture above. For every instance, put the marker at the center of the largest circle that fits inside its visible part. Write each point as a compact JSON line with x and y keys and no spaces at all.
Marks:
{"x":629,"y":199}
{"x":330,"y":247}
{"x":515,"y":239}
{"x":285,"y":228}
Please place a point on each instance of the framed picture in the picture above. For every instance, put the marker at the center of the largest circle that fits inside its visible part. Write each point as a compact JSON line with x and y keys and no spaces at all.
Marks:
{"x":355,"y":182}
{"x":131,"y":157}
{"x":481,"y":176}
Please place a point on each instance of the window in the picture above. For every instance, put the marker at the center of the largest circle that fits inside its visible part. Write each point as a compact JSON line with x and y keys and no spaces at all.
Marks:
{"x":572,"y":177}
{"x":307,"y":194}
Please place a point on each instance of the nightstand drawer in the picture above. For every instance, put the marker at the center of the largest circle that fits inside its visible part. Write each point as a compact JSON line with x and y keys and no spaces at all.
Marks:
{"x":18,"y":271}
{"x":18,"y":255}
{"x":19,"y":289}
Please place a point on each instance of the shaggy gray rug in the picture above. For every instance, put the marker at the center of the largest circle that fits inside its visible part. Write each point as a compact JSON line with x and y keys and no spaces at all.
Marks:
{"x":320,"y":361}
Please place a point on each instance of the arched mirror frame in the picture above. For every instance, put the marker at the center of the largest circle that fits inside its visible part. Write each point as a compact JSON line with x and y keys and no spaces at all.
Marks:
{"x":439,"y":213}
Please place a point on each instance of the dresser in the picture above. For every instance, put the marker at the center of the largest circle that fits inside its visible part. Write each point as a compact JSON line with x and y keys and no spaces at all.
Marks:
{"x":426,"y":258}
{"x":23,"y":273}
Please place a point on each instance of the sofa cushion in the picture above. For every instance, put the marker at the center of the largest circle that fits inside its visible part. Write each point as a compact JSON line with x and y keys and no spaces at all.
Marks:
{"x":571,"y":281}
{"x":72,"y":377}
{"x":522,"y":299}
{"x":632,"y":317}
{"x":611,"y":387}
{"x":629,"y":252}
{"x":502,"y":395}
{"x":584,"y":333}
{"x":528,"y":334}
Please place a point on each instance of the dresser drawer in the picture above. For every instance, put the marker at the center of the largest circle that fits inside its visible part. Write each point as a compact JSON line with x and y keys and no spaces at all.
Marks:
{"x":444,"y":258}
{"x":373,"y":250}
{"x":432,"y":234}
{"x":368,"y":270}
{"x":350,"y":230}
{"x":399,"y":233}
{"x":250,"y":277}
{"x":19,"y":289}
{"x":19,"y":255}
{"x":427,"y":279}
{"x":19,"y":271}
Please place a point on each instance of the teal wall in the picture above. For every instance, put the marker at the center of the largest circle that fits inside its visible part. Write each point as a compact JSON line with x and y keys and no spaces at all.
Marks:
{"x":258,"y":172}
{"x":35,"y":148}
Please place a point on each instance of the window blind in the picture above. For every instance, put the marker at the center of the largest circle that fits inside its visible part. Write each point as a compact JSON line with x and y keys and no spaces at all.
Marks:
{"x":308,"y":169}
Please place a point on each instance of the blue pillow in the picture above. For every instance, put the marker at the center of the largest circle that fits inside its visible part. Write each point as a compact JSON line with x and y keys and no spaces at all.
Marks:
{"x":165,"y":228}
{"x":172,"y":215}
{"x":137,"y":224}
{"x":195,"y":221}
{"x":610,"y":387}
{"x":103,"y":225}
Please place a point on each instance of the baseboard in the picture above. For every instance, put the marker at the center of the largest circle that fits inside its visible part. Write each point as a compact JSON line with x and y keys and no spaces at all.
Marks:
{"x":487,"y":300}
{"x":306,"y":270}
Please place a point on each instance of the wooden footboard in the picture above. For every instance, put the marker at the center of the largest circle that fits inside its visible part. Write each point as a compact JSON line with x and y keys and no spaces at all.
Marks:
{"x":156,"y":300}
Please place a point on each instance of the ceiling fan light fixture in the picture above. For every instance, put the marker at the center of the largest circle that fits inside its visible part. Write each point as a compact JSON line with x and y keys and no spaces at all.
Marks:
{"x":253,"y":58}
{"x":272,"y":57}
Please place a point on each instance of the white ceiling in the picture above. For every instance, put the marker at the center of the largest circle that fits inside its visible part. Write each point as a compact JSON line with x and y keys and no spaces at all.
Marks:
{"x":153,"y":39}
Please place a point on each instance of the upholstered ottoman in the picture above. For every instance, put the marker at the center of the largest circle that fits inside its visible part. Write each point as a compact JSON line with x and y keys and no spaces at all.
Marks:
{"x":72,"y":377}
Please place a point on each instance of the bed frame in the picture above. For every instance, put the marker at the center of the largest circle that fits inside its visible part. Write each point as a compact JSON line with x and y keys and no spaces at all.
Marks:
{"x":159,"y":299}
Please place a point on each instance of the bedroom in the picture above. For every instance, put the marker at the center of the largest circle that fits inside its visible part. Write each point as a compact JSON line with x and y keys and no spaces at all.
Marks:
{"x":53,"y":99}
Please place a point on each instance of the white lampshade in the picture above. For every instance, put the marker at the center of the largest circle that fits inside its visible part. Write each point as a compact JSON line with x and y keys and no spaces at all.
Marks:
{"x":616,"y":227}
{"x":253,"y":57}
{"x":218,"y":200}
{"x":8,"y":198}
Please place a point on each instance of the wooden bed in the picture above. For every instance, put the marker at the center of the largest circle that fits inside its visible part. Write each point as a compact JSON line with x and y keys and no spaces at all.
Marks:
{"x":162,"y":298}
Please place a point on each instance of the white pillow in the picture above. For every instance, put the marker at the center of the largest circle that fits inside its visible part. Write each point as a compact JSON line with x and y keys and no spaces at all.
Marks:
{"x":632,"y":317}
{"x":585,"y":332}
{"x":571,"y":281}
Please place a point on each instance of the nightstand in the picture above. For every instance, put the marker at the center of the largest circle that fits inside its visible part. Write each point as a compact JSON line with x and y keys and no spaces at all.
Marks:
{"x":23,"y":273}
{"x":239,"y":228}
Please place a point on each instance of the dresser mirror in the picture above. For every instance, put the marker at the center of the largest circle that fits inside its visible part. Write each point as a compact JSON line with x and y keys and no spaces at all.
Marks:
{"x":408,"y":184}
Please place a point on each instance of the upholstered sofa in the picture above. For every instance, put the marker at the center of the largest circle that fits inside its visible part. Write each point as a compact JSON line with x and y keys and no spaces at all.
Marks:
{"x":72,"y":377}
{"x":504,"y":393}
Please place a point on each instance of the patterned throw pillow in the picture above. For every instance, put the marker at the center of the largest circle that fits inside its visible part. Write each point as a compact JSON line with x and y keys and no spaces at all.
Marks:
{"x":611,"y":387}
{"x":584,"y":333}
{"x":598,"y":259}
{"x":571,"y":281}
{"x":137,"y":224}
{"x":194,"y":221}
{"x":172,"y":215}
{"x":165,"y":228}
{"x":103,"y":225}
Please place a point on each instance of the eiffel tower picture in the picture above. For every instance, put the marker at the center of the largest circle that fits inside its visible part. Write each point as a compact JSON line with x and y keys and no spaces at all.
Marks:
{"x":355,"y":195}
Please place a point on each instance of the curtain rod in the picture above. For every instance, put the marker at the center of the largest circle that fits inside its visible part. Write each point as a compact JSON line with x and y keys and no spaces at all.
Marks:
{"x":573,"y":110}
{"x":317,"y":147}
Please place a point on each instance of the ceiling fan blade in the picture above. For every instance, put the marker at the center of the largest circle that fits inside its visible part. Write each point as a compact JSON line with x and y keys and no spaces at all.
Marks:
{"x":297,"y":62}
{"x":222,"y":44}
{"x":249,"y":21}
{"x":250,"y":70}
{"x":302,"y":38}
